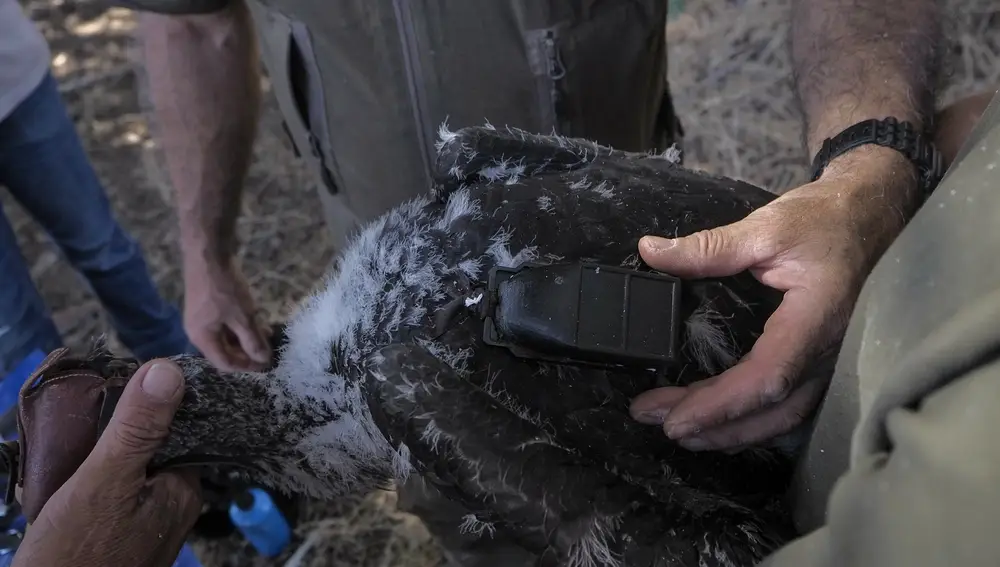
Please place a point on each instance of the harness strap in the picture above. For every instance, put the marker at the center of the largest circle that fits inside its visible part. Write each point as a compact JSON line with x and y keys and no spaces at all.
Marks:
{"x":9,"y":455}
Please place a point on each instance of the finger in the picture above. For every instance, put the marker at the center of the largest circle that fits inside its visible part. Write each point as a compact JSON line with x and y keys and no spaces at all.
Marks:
{"x":765,"y":376}
{"x":179,"y":490}
{"x":210,"y":344}
{"x":141,"y":421}
{"x":238,"y":358}
{"x":762,"y":426}
{"x":653,"y":406}
{"x":222,"y":348}
{"x":251,"y":340}
{"x":721,"y":251}
{"x":188,"y":474}
{"x":174,"y":505}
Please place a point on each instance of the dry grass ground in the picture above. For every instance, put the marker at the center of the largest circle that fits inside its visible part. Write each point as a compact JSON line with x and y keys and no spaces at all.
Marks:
{"x":730,"y":75}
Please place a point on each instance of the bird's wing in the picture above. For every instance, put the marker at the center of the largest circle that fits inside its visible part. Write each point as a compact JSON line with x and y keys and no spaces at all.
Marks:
{"x":488,"y":154}
{"x":553,"y":198}
{"x":515,"y":477}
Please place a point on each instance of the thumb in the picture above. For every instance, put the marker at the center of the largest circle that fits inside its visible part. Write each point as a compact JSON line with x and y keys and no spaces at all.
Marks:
{"x":141,"y":420}
{"x":716,"y":252}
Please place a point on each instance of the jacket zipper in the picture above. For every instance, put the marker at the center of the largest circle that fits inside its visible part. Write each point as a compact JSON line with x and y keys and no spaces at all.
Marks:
{"x":556,"y":71}
{"x":415,"y":82}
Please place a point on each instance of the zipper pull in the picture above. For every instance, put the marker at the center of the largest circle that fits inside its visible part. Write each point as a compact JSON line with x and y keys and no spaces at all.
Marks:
{"x":556,"y":68}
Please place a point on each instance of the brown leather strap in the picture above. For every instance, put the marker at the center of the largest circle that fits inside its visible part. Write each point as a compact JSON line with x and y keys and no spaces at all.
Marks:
{"x":197,"y":460}
{"x":28,"y":384}
{"x":63,"y":409}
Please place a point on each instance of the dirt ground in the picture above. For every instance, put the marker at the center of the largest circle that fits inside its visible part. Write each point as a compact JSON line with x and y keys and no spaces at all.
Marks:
{"x":731,"y":81}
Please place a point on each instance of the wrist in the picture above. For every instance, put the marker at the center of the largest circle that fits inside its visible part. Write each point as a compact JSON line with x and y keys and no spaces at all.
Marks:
{"x":203,"y":240}
{"x":877,"y":190}
{"x":880,"y":187}
{"x":203,"y":259}
{"x":885,"y":155}
{"x":842,"y":115}
{"x":875,"y":168}
{"x":862,"y":162}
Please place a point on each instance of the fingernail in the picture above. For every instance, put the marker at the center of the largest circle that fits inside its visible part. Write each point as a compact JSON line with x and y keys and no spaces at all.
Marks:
{"x":659,"y":243}
{"x":654,"y":417}
{"x":162,"y":381}
{"x":693,"y":444}
{"x":679,"y":430}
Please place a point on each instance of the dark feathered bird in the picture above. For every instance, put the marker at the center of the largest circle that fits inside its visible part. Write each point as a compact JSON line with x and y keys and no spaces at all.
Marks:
{"x":385,"y":372}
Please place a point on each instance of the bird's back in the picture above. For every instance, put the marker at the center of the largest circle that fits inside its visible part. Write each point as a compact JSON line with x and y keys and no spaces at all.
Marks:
{"x":504,"y":198}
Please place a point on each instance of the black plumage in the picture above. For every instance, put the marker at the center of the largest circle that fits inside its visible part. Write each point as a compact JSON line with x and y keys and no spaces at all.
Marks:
{"x":384,"y":371}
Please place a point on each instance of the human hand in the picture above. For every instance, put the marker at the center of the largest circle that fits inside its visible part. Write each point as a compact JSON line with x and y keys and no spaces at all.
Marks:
{"x":817,"y":243}
{"x":219,"y":318}
{"x":109,"y":512}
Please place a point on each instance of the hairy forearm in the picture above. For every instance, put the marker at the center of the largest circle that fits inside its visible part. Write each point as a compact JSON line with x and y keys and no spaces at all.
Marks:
{"x":205,"y":88}
{"x":860,"y":59}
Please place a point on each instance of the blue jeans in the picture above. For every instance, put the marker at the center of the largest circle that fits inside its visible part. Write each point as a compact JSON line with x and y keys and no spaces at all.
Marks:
{"x":44,"y":165}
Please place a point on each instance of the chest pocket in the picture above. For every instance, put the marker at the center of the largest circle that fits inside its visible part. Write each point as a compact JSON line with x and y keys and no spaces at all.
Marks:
{"x":286,"y":48}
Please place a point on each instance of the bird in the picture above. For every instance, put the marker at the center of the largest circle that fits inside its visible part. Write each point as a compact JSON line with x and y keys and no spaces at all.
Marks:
{"x":387,"y":369}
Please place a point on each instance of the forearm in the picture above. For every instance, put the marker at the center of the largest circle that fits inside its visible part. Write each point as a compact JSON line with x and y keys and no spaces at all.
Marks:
{"x":205,"y":89}
{"x":860,"y":59}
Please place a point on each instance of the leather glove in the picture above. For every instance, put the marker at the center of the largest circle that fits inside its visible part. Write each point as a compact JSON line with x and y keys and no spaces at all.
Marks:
{"x":62,"y":409}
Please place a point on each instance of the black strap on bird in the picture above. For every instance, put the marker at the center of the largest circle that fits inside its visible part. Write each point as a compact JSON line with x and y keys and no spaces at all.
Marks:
{"x":112,"y":393}
{"x":583,"y":313}
{"x":9,"y":466}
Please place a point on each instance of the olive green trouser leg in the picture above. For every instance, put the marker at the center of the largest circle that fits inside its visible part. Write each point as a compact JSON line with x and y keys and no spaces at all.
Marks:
{"x":907,"y":437}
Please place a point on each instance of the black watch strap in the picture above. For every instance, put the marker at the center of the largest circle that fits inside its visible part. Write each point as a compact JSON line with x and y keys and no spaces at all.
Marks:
{"x":890,"y":133}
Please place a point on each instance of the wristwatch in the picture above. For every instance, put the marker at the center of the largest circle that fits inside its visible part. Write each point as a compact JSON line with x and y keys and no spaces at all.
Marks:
{"x":889,"y":133}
